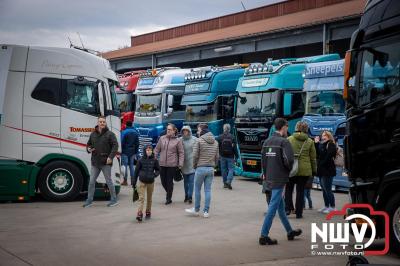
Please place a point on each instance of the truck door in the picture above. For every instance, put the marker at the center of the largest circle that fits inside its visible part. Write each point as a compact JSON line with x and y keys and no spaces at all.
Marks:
{"x":80,"y":107}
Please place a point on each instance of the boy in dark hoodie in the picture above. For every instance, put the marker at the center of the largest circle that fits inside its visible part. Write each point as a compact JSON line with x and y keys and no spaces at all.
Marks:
{"x":147,"y":169}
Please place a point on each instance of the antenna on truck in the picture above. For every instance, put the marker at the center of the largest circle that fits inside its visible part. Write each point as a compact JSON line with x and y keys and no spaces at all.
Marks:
{"x":82,"y":48}
{"x":80,"y":39}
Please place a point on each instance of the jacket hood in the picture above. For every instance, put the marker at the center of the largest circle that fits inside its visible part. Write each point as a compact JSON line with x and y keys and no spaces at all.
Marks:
{"x":208,"y":137}
{"x":187,"y":128}
{"x":144,"y":152}
{"x":300,"y":136}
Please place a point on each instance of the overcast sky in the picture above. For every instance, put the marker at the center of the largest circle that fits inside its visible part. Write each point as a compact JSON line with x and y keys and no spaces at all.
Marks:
{"x":103,"y":24}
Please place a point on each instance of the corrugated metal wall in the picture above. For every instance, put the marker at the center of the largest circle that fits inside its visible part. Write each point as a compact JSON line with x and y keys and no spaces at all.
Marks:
{"x":274,"y":10}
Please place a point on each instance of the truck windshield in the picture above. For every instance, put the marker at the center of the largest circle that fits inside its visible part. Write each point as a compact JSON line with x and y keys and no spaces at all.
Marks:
{"x":124,"y":102}
{"x":324,"y":103}
{"x":256,"y":104}
{"x":148,"y":105}
{"x":201,"y":113}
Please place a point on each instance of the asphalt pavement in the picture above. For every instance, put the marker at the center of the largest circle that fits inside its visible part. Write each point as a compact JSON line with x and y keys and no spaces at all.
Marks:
{"x":46,"y":233}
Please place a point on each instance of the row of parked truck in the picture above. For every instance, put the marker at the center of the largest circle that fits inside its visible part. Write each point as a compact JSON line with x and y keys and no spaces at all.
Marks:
{"x":247,"y":96}
{"x":50,"y":99}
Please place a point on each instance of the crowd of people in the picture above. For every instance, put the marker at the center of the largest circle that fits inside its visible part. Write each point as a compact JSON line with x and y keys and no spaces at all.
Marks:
{"x":288,"y":163}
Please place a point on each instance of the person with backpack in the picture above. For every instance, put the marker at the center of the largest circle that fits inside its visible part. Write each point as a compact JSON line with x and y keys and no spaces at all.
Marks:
{"x":326,"y":152}
{"x":147,"y":169}
{"x":170,"y":150}
{"x":227,"y":154}
{"x":130,"y":148}
{"x":276,"y":161}
{"x":304,"y":150}
{"x":188,"y":141}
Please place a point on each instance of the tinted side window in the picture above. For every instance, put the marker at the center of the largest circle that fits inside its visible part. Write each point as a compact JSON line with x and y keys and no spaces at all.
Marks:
{"x":226,"y":107}
{"x":177,"y":103}
{"x":298,"y":103}
{"x":380,"y":73}
{"x":48,"y":90}
{"x":80,"y":96}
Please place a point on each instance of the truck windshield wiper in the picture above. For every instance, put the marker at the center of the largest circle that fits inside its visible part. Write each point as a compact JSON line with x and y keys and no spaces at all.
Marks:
{"x":312,"y":114}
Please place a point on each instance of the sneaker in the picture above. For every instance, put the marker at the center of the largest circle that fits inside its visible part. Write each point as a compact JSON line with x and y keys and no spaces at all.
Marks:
{"x":229,"y":186}
{"x":139,"y":216}
{"x":190,"y":201}
{"x":192,"y":211}
{"x":112,"y":203}
{"x":328,"y":210}
{"x":323,"y":209}
{"x":206,"y":215}
{"x":225,"y":185}
{"x":291,"y":235}
{"x":168,"y":202}
{"x":265,"y":240}
{"x":186,"y":200}
{"x":87,"y":204}
{"x":148,"y":215}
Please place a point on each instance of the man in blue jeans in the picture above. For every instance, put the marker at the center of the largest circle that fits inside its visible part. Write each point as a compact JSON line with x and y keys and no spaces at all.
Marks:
{"x":130,"y":147}
{"x":277,"y":160}
{"x":205,"y":158}
{"x":227,"y":153}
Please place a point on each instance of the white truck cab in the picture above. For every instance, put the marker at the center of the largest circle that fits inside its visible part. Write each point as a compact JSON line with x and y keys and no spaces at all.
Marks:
{"x":50,"y":99}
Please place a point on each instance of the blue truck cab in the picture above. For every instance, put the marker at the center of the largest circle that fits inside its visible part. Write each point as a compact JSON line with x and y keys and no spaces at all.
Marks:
{"x":265,"y":92}
{"x":325,"y":107}
{"x":209,"y":96}
{"x":159,"y":93}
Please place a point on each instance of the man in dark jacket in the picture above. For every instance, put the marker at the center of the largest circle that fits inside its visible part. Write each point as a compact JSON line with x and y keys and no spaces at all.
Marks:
{"x":227,"y":155}
{"x":277,"y":161}
{"x":103,"y":145}
{"x":130,"y":148}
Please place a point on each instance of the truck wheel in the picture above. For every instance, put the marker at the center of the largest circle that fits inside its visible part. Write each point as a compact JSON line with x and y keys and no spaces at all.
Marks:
{"x":393,"y":208}
{"x":60,"y":181}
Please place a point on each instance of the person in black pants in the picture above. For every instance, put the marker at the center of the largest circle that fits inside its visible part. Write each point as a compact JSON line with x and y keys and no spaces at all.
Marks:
{"x":304,"y":150}
{"x":170,"y":150}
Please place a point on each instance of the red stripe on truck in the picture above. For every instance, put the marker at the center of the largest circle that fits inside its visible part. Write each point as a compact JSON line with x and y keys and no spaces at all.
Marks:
{"x":50,"y":137}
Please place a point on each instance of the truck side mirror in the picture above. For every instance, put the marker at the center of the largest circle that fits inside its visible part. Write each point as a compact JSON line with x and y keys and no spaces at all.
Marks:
{"x":101,"y":97}
{"x":287,"y":104}
{"x":170,"y":100}
{"x":169,"y":112}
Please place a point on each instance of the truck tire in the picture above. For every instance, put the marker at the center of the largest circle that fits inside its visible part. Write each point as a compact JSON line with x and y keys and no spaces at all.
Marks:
{"x":60,"y":181}
{"x":393,"y":209}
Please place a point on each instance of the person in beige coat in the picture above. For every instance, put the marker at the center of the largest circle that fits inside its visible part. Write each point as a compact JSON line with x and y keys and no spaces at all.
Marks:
{"x":205,"y":158}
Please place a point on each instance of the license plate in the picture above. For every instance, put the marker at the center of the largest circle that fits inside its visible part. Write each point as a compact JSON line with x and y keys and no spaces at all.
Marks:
{"x":251,"y":138}
{"x":251,"y":162}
